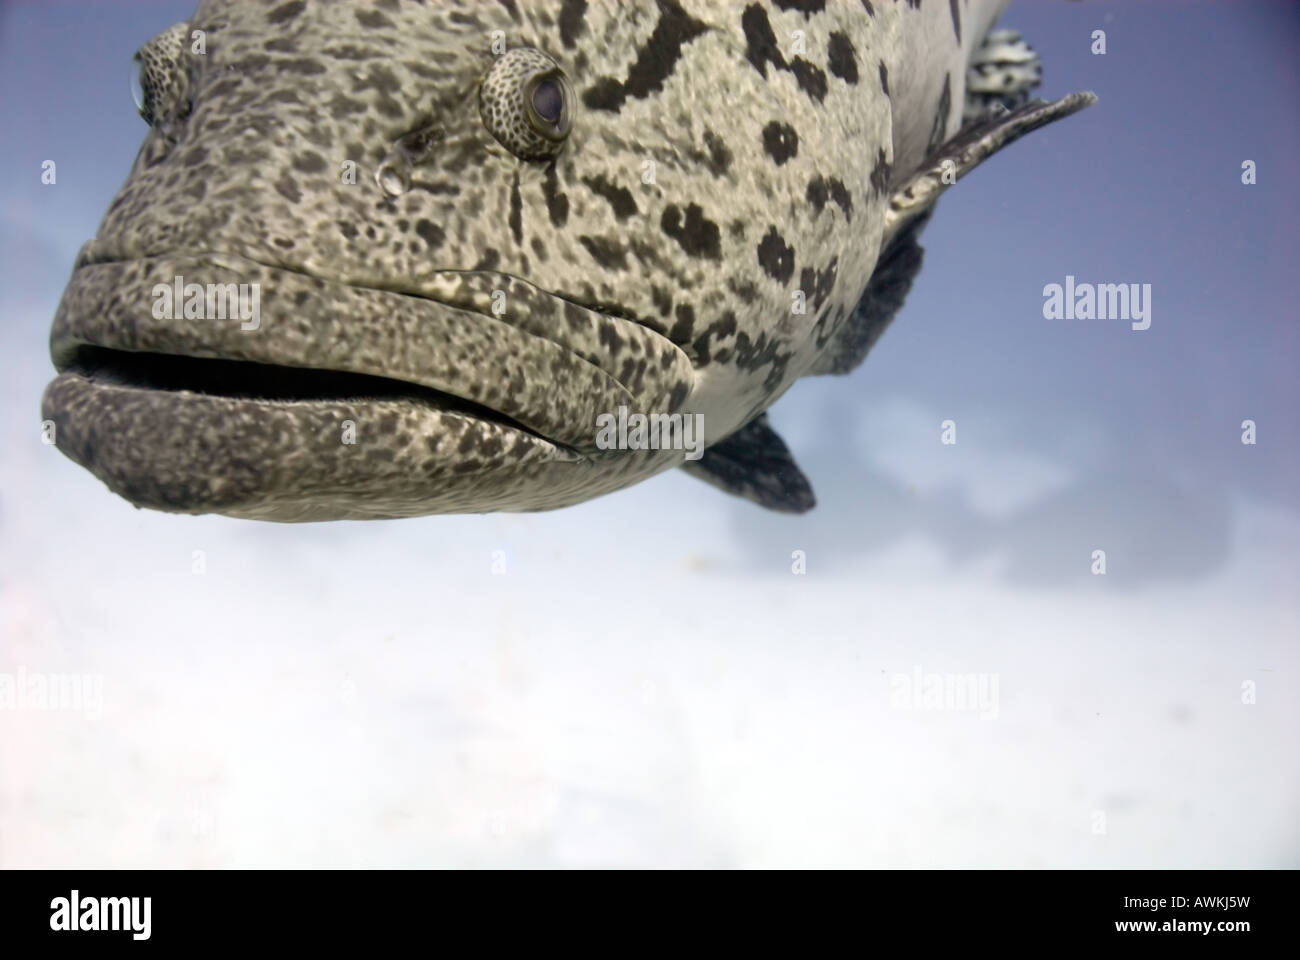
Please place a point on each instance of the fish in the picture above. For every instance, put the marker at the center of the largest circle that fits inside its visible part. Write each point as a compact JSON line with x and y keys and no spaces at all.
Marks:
{"x":394,"y":258}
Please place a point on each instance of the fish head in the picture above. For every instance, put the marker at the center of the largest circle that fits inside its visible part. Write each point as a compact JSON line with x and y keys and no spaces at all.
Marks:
{"x":396,"y":258}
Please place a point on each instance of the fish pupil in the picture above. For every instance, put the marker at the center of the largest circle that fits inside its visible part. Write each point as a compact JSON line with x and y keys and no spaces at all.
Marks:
{"x":548,"y":101}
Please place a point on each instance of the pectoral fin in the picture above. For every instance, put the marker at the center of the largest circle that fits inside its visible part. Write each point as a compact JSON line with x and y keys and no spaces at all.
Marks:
{"x":910,"y":206}
{"x":896,"y":268}
{"x":755,"y":463}
{"x":969,"y":147}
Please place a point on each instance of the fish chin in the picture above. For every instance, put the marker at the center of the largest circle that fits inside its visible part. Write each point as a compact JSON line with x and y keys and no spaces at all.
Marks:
{"x":300,"y":398}
{"x":297,"y":460}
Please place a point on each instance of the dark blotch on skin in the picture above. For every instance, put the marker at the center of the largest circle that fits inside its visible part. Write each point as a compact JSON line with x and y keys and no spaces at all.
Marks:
{"x":436,"y":188}
{"x":609,"y":338}
{"x":884,"y":79}
{"x":780,"y":141}
{"x":754,"y":354}
{"x":662,"y":300}
{"x":605,"y":94}
{"x":719,"y":155}
{"x":822,"y":189}
{"x":776,"y":257}
{"x":745,"y":291}
{"x":880,"y":173}
{"x":654,"y":62}
{"x":956,"y":18}
{"x":806,"y":7}
{"x":557,"y":203}
{"x":840,"y":194}
{"x":812,"y":80}
{"x":516,"y":212}
{"x":285,"y":12}
{"x":571,"y":22}
{"x":719,"y":329}
{"x":303,"y":66}
{"x":685,"y":325}
{"x":372,"y":20}
{"x":698,"y":236}
{"x":341,"y":107}
{"x":431,"y":233}
{"x":618,"y":197}
{"x":252,"y":63}
{"x":761,"y":49}
{"x":843,"y":59}
{"x":647,"y":253}
{"x":286,"y":188}
{"x":309,"y":163}
{"x":605,"y":252}
{"x":817,"y":286}
{"x":818,"y":193}
{"x":760,"y":42}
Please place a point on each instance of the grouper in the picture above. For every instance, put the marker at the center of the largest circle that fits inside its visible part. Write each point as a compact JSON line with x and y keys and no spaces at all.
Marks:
{"x":391,"y":258}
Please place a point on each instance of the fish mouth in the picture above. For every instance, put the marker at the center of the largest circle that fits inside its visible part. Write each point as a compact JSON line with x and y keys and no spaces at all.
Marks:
{"x":302,"y":398}
{"x":244,"y":380}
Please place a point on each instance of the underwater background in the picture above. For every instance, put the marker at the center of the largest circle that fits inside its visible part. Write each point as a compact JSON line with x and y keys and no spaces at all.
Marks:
{"x":648,"y":682}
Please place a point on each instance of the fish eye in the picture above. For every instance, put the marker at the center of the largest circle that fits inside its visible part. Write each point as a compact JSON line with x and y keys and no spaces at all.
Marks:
{"x":160,"y":77}
{"x":138,"y":89}
{"x":527,"y":103}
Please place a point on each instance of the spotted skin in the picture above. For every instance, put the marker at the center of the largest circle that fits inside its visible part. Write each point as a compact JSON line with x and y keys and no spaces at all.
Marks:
{"x":506,"y":287}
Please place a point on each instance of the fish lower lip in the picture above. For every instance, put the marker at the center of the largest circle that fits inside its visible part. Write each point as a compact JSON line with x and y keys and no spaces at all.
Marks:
{"x":294,"y":460}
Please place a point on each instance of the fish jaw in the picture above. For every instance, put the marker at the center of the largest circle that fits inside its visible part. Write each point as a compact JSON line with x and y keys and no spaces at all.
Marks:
{"x":333,"y":401}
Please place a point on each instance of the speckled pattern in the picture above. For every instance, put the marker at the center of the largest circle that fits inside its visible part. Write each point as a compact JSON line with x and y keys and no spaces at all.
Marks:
{"x":714,"y":158}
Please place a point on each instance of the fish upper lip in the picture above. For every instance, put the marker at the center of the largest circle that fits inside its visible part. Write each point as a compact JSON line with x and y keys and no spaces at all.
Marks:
{"x":95,"y":316}
{"x":84,"y":259}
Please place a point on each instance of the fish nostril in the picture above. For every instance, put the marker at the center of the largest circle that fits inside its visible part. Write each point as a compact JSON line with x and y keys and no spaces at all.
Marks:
{"x":394,"y":173}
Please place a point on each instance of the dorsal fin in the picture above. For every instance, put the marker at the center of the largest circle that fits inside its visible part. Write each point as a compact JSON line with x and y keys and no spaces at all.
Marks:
{"x":755,"y":463}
